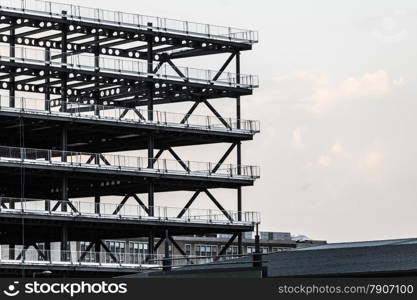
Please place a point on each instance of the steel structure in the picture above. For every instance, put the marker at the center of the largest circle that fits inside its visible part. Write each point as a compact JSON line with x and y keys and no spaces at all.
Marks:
{"x":79,"y":85}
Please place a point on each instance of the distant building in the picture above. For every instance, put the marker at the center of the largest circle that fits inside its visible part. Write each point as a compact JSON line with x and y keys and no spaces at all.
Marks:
{"x":384,"y":258}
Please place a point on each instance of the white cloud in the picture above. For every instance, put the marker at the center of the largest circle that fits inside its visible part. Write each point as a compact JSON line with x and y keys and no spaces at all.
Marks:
{"x":324,"y":161}
{"x":297,"y":138}
{"x":373,"y":159}
{"x":337,"y":149}
{"x":321,"y":92}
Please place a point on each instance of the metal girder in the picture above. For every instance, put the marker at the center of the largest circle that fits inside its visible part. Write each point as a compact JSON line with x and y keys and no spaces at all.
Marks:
{"x":214,"y":111}
{"x":176,"y":69}
{"x":225,"y":247}
{"x":108,"y":251}
{"x":159,"y":243}
{"x":85,"y":252}
{"x":189,"y":203}
{"x":220,"y":72}
{"x":189,"y":113}
{"x":170,"y":93}
{"x":203,"y":44}
{"x":177,"y":246}
{"x":45,"y":257}
{"x":14,"y":26}
{"x":120,"y":206}
{"x":219,"y":206}
{"x":180,"y":161}
{"x":216,"y":168}
{"x":141,"y":203}
{"x":60,"y":203}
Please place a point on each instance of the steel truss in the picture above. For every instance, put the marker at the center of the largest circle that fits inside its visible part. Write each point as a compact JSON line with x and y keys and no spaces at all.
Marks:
{"x":63,"y":83}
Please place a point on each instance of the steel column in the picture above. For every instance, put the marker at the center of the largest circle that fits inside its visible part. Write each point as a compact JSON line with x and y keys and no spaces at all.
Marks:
{"x":12,"y":88}
{"x":239,"y":155}
{"x":64,"y":60}
{"x":47,"y":79}
{"x":167,"y":262}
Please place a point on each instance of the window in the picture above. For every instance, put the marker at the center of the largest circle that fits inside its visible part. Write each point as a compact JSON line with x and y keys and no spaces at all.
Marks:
{"x":118,"y":250}
{"x":209,"y":251}
{"x":41,"y":247}
{"x":90,"y":256}
{"x":66,"y":254}
{"x":232,"y":251}
{"x":278,"y":249}
{"x":188,"y":249}
{"x":137,"y":252}
{"x":251,"y":249}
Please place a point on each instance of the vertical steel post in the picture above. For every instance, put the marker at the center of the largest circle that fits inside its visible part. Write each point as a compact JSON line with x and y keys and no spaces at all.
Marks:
{"x":151,"y":141}
{"x":167,"y":262}
{"x":64,"y":61}
{"x":97,"y":249}
{"x":239,"y":155}
{"x":257,"y":256}
{"x":64,"y":186}
{"x":64,"y":244}
{"x":97,"y":70}
{"x":12,"y":90}
{"x":47,"y":79}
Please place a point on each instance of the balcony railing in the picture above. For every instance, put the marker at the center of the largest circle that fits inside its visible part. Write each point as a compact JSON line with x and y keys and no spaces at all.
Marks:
{"x":136,"y":21}
{"x":119,"y":163}
{"x":130,"y":67}
{"x":133,"y":212}
{"x":103,"y":260}
{"x":126,"y":115}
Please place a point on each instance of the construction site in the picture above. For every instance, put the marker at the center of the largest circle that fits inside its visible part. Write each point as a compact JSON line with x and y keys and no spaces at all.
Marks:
{"x":84,"y":94}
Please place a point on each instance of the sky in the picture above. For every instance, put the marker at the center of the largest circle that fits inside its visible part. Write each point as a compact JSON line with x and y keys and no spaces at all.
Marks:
{"x":337,"y":105}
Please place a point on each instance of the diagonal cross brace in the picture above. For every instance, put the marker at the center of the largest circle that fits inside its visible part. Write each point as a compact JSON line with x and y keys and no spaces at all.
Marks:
{"x":180,"y":161}
{"x":224,"y":249}
{"x":221,"y":161}
{"x":219,"y":206}
{"x":224,"y":67}
{"x":216,"y":113}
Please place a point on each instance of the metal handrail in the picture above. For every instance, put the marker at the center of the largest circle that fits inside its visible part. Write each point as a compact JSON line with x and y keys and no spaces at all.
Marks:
{"x":123,"y":114}
{"x":126,"y":211}
{"x":102,"y":259}
{"x":126,"y":66}
{"x":102,"y":16}
{"x":126,"y":163}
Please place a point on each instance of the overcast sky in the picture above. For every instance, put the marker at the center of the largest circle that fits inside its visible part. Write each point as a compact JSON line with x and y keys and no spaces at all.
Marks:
{"x":337,"y":106}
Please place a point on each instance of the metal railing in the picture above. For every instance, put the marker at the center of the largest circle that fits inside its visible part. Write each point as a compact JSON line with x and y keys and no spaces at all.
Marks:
{"x":127,"y":67}
{"x":136,"y":21}
{"x":126,"y":163}
{"x":103,"y":259}
{"x":126,"y":211}
{"x":122,"y":114}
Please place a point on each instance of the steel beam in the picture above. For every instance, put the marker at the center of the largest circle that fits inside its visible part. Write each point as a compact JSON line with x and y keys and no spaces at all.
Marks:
{"x":225,"y":247}
{"x":219,"y":206}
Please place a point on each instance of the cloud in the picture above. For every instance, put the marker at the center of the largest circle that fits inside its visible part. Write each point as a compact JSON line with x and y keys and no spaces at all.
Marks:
{"x":337,"y":149}
{"x":319,"y":92}
{"x":297,"y":139}
{"x":373,"y":159}
{"x":324,"y":161}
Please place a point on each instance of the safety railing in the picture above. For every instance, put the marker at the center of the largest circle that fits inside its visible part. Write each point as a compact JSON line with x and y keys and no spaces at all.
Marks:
{"x":127,"y":67}
{"x":123,"y":114}
{"x":136,"y":21}
{"x":104,"y":259}
{"x":33,"y":256}
{"x":126,"y":211}
{"x":126,"y":163}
